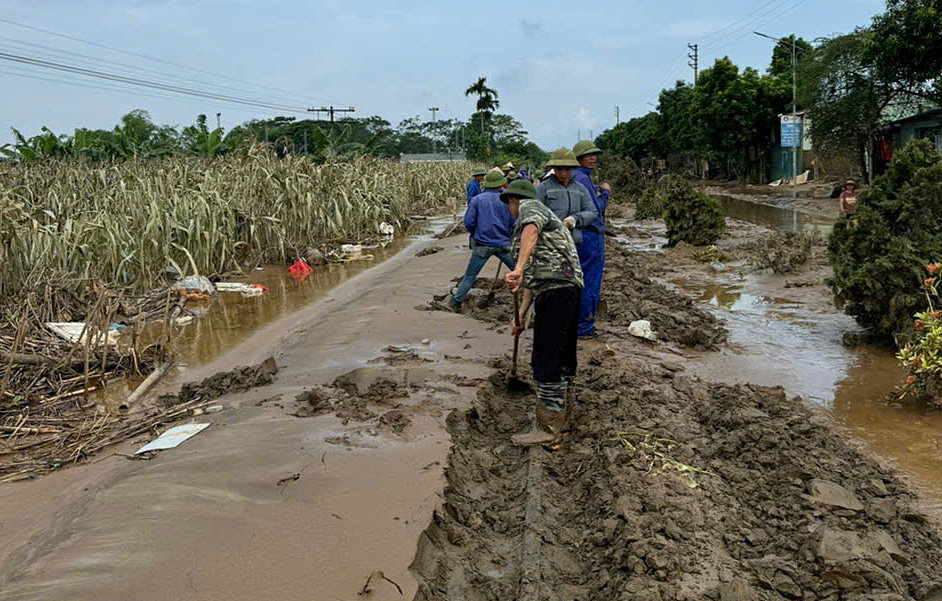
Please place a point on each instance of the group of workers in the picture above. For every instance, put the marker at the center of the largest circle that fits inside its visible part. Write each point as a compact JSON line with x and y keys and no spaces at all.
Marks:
{"x":550,"y":237}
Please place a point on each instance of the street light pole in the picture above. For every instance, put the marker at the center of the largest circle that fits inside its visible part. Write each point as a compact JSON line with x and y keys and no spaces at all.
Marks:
{"x":794,"y":43}
{"x":434,"y":109}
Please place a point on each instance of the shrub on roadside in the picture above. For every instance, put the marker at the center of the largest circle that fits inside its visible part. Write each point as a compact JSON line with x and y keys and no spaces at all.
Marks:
{"x":650,"y":205}
{"x":922,"y":358}
{"x":878,"y":257}
{"x":622,"y":174}
{"x":691,"y":216}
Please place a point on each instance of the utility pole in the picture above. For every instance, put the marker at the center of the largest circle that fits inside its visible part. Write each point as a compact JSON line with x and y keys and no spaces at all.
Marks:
{"x":330,"y":110}
{"x":433,"y":110}
{"x":694,"y":61}
{"x":218,"y":115}
{"x":794,"y":44}
{"x":617,"y":116}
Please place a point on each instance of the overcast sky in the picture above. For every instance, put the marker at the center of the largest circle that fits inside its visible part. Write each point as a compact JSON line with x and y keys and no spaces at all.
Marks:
{"x":559,"y":67}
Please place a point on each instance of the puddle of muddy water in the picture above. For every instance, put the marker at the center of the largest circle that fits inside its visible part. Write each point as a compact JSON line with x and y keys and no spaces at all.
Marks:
{"x":780,"y":218}
{"x":221,"y":324}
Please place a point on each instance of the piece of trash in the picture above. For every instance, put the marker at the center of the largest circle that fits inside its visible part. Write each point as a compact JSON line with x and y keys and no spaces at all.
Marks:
{"x":351,"y":250}
{"x":299,"y":270}
{"x":386,"y":229}
{"x":72,"y":331}
{"x":397,"y":348}
{"x":183,"y":320}
{"x":375,"y":577}
{"x":240,"y":288}
{"x":642,"y":329}
{"x":195,"y":285}
{"x":426,"y":341}
{"x":214,"y":409}
{"x":172,"y":437}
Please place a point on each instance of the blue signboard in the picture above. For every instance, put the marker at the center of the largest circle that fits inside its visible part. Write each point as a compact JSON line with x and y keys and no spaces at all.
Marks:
{"x":791,"y":131}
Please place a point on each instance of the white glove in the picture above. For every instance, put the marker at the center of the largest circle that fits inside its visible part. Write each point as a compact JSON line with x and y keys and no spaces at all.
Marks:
{"x":570,"y":222}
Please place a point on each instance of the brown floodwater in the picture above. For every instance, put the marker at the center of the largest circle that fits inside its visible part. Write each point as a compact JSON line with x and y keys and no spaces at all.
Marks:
{"x":774,"y":340}
{"x":222,"y":323}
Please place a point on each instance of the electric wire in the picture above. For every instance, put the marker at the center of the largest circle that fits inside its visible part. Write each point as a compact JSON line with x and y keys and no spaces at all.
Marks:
{"x":145,"y":56}
{"x":111,"y":63}
{"x":15,"y":58}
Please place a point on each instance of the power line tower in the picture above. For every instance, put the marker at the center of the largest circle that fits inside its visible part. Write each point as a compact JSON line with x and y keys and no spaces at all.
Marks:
{"x":330,"y":110}
{"x":617,"y":116}
{"x":694,"y":60}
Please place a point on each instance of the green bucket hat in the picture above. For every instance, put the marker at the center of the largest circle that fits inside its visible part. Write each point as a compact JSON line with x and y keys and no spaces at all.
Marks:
{"x":538,"y":174}
{"x":512,"y":175}
{"x":562,"y":158}
{"x":584,"y":147}
{"x":518,"y":187}
{"x":479,"y":171}
{"x":493,"y":179}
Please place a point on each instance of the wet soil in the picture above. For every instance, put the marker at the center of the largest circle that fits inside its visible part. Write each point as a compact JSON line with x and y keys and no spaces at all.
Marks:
{"x":629,"y":293}
{"x":674,"y":488}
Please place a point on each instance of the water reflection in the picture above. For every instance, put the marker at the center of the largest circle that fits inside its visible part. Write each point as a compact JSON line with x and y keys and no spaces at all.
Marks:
{"x":781,"y":218}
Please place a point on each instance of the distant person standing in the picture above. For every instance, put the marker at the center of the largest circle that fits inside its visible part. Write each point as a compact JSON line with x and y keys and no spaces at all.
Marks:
{"x":592,"y":247}
{"x":490,"y":224}
{"x":474,"y":186}
{"x":848,"y":201}
{"x":567,"y":199}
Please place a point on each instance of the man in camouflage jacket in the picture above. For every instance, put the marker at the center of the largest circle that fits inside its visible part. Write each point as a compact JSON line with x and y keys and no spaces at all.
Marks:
{"x":547,"y":268}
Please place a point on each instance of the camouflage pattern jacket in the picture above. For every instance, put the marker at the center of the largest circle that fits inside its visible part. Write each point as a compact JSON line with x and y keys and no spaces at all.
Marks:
{"x":554,"y":262}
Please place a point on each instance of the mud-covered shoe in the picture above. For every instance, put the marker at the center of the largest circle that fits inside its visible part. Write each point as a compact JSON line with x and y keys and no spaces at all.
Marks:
{"x":448,"y":305}
{"x":536,"y":436}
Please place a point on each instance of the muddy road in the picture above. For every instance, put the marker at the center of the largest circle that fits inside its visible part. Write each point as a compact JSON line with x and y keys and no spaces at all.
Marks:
{"x":383,"y":444}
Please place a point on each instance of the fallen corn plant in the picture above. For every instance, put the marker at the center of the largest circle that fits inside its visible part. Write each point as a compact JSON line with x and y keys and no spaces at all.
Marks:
{"x":655,"y":454}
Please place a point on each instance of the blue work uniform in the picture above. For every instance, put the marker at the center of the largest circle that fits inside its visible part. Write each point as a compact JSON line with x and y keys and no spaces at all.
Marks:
{"x":471,"y":190}
{"x":591,"y":253}
{"x":490,"y":224}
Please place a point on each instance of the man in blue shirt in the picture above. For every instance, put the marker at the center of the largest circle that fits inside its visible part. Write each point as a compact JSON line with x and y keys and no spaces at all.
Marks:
{"x":474,"y":186}
{"x":490,"y":224}
{"x":592,"y":246}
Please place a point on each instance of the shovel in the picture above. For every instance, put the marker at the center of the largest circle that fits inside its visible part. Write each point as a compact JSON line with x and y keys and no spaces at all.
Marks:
{"x":514,"y":383}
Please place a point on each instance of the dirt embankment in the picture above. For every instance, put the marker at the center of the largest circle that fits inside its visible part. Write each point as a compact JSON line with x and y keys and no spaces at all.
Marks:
{"x":672,"y":488}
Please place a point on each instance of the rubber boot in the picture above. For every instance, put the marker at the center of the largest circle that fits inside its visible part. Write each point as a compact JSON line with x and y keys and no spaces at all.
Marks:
{"x":546,"y":430}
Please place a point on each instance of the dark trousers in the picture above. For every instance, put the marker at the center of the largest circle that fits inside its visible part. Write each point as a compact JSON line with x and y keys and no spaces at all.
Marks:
{"x":555,"y":333}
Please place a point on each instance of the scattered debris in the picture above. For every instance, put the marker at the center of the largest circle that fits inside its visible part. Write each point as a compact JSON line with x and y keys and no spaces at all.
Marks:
{"x":429,"y":251}
{"x":642,"y":329}
{"x":375,"y":577}
{"x":172,"y":437}
{"x":75,"y":332}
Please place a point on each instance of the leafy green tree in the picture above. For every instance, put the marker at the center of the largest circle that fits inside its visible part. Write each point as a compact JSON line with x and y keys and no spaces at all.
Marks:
{"x":879,"y":257}
{"x":198,"y":139}
{"x":781,"y":65}
{"x":905,"y":47}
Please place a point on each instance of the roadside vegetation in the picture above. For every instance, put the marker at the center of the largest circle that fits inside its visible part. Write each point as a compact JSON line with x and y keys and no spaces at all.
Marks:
{"x":922,"y":358}
{"x":125,"y":223}
{"x":691,"y":216}
{"x":879,"y":256}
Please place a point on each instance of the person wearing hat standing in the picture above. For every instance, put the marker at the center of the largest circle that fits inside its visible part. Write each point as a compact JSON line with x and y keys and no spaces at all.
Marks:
{"x":507,"y":168}
{"x":547,"y":268}
{"x":848,"y":201}
{"x":592,"y":247}
{"x":474,"y":186}
{"x":569,"y":200}
{"x":489,"y":222}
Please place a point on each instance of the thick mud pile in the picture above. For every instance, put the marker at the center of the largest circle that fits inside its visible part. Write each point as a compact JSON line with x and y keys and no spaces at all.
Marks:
{"x":628,"y":294}
{"x":673,"y":489}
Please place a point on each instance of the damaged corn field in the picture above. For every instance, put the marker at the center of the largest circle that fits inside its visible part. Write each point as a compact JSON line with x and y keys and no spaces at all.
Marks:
{"x":97,"y":247}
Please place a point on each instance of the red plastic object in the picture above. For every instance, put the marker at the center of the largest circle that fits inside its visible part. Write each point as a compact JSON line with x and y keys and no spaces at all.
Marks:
{"x":299,"y":270}
{"x":263,"y":288}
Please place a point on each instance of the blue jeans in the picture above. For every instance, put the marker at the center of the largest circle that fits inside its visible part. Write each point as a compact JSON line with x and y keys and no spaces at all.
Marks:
{"x":479,"y":257}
